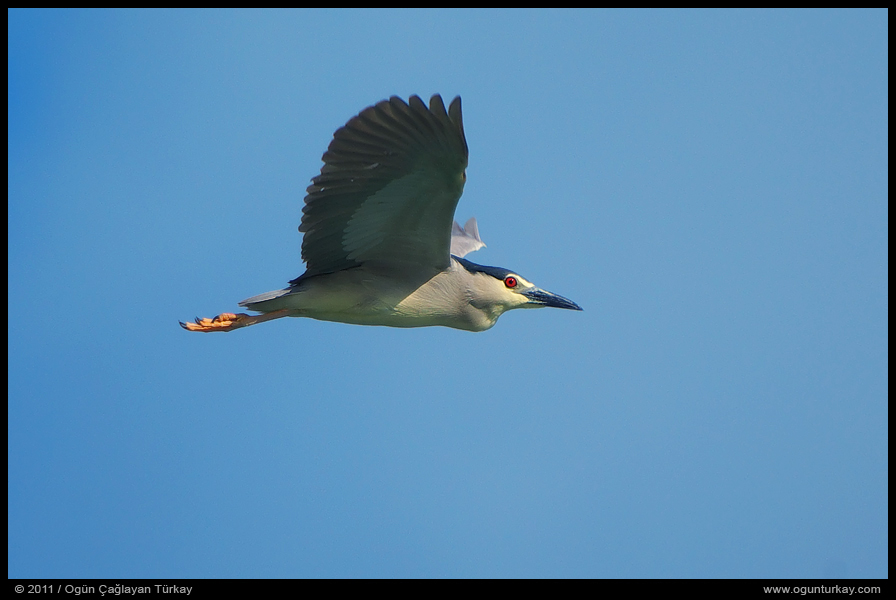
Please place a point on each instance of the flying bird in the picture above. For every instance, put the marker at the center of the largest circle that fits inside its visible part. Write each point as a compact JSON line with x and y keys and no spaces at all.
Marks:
{"x":381,"y":246}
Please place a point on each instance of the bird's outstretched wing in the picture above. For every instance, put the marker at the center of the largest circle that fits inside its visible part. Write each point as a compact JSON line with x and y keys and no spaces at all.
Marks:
{"x":465,"y":239}
{"x":391,"y":180}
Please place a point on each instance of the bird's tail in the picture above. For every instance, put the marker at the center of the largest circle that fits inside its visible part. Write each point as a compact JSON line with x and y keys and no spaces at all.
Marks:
{"x":267,"y":301}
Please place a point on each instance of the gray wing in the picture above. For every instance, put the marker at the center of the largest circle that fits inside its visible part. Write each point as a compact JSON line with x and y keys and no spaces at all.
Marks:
{"x":465,"y":239}
{"x":391,"y":180}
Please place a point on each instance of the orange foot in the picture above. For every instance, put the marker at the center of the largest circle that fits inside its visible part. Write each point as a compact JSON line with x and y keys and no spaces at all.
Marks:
{"x":230,"y":321}
{"x":223,"y":322}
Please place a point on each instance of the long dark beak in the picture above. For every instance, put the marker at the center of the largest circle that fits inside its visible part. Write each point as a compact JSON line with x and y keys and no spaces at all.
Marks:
{"x":538,"y":297}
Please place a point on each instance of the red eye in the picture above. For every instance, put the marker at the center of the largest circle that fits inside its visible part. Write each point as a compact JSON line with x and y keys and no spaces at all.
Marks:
{"x":510,"y":281}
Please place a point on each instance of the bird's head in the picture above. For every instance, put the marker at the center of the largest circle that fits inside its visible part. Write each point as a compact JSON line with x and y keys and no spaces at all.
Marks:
{"x":495,"y":290}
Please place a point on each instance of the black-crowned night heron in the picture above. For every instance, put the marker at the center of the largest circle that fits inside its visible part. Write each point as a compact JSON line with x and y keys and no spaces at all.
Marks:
{"x":381,"y":245}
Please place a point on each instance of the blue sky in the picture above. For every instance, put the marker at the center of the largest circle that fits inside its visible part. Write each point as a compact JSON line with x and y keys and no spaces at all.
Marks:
{"x":711,"y":187}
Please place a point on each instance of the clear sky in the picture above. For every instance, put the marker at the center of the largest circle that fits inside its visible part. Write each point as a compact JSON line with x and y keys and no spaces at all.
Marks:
{"x":711,"y":187}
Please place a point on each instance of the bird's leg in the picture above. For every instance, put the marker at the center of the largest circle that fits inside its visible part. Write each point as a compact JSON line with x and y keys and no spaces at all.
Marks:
{"x":230,"y":321}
